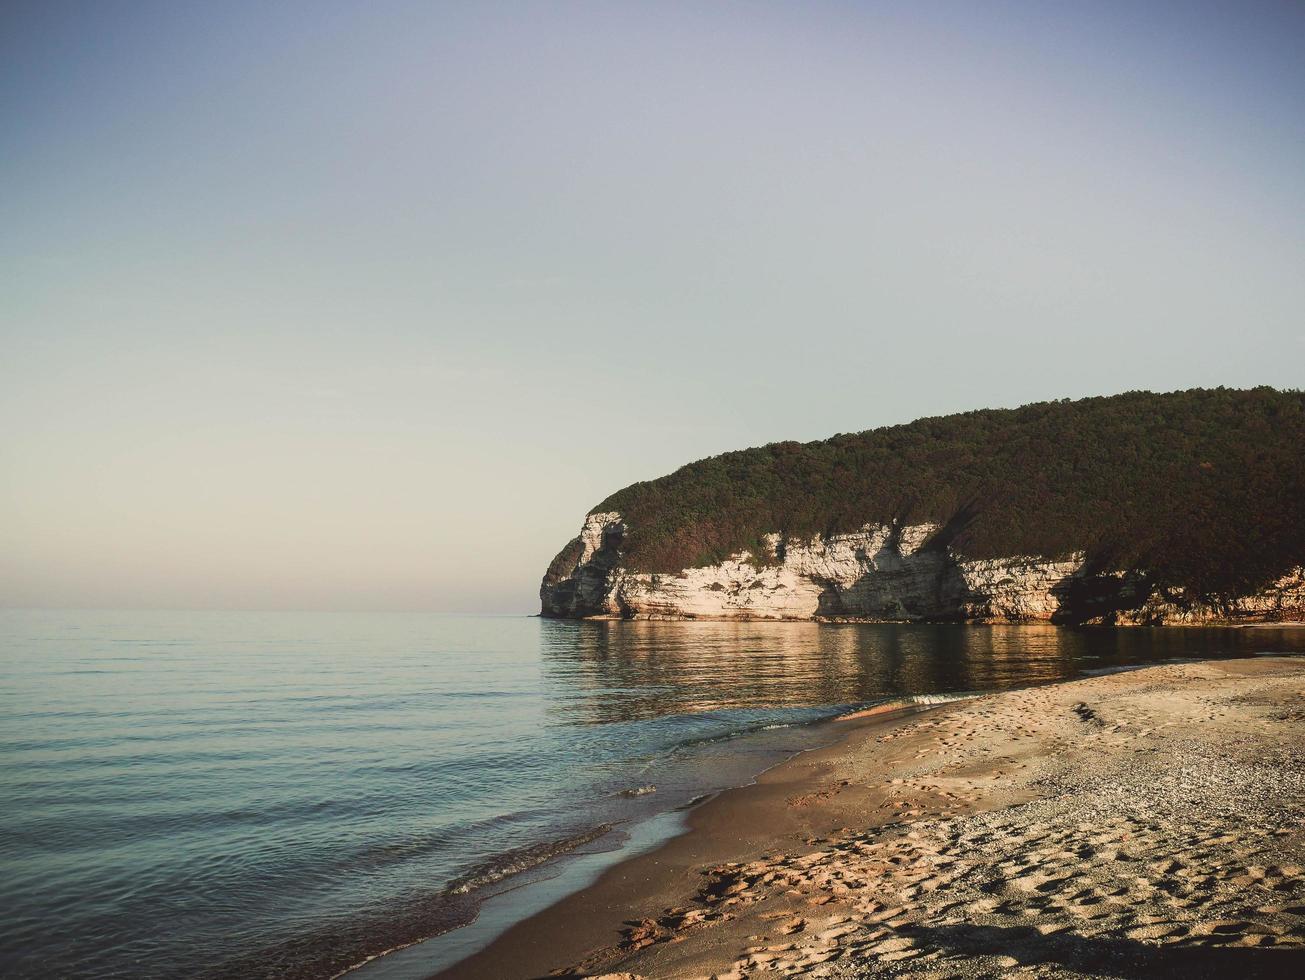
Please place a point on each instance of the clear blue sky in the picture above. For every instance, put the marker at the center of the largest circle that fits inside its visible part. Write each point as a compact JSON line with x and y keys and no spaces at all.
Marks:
{"x":364,"y":305}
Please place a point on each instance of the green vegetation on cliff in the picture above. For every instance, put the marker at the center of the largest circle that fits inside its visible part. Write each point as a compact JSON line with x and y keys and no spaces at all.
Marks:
{"x":1201,"y":488}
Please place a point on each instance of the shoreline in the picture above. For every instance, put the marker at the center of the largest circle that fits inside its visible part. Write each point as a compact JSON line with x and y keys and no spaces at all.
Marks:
{"x":575,"y":924}
{"x":778,"y":876}
{"x":522,"y":896}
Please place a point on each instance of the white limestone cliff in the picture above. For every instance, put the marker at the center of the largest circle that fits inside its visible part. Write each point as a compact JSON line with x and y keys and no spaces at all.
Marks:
{"x":885,"y":572}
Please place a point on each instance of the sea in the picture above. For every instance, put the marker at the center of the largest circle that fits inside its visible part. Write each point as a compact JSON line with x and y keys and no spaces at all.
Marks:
{"x":228,"y":794}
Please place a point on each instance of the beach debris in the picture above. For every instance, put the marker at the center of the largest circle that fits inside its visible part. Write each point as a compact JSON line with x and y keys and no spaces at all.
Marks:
{"x":1087,"y":713}
{"x":790,"y":926}
{"x":643,"y":932}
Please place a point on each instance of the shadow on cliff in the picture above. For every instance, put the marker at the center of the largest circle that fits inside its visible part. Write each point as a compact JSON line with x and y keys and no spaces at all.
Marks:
{"x":925,"y":584}
{"x":573,"y":588}
{"x":960,"y":522}
{"x":1098,"y":592}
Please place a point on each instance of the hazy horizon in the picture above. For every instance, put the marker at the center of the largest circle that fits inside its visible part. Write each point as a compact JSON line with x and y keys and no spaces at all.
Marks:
{"x":325,"y":306}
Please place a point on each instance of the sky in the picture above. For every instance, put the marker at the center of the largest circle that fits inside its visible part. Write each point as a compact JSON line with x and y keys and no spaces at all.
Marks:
{"x":318,"y":305}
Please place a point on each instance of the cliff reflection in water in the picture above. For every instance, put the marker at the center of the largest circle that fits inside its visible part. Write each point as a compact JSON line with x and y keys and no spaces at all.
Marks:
{"x":616,"y":671}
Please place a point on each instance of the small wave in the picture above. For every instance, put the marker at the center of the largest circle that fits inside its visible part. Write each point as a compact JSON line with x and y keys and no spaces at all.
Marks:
{"x":638,"y":790}
{"x":940,"y":698}
{"x":454,"y":835}
{"x":521,"y":859}
{"x":1125,"y":668}
{"x":735,"y":727}
{"x":905,"y":701}
{"x":694,"y":801}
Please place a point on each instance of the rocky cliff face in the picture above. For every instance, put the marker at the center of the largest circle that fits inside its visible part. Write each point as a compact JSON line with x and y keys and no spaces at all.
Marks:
{"x":884,"y":572}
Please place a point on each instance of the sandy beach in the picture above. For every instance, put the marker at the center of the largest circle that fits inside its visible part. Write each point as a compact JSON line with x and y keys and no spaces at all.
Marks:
{"x":1135,"y":824}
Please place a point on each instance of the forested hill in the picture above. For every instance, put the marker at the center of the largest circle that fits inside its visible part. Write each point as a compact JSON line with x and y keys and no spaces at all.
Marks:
{"x":1201,"y":488}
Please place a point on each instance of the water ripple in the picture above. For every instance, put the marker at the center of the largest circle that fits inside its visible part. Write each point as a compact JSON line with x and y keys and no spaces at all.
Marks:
{"x":267,"y":792}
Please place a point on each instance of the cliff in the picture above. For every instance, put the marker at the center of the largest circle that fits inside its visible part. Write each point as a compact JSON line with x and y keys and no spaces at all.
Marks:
{"x":1200,"y":519}
{"x":886,"y":573}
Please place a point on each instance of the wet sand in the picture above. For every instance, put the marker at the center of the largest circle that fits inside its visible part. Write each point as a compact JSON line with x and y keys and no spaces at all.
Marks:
{"x":1143,"y":823}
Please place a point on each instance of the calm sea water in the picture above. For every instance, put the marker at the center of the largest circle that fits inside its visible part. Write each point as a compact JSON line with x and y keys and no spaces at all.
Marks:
{"x":243,"y":794}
